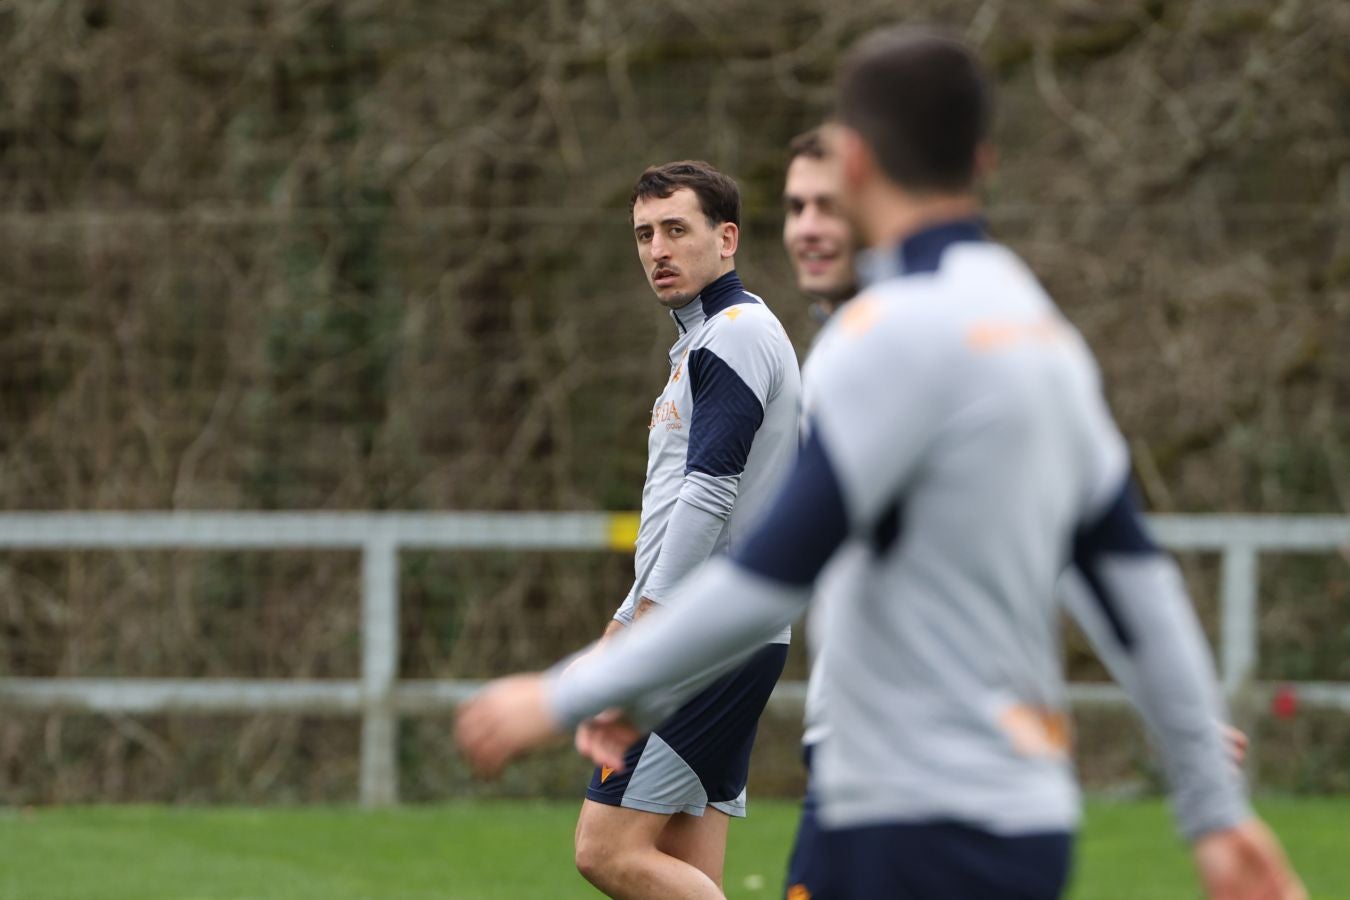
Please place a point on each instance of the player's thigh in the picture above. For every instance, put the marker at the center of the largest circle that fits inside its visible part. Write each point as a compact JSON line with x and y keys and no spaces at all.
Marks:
{"x":606,"y":832}
{"x":700,"y":841}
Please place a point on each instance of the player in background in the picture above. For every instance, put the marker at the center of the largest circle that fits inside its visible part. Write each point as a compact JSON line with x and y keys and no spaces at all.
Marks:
{"x":723,"y":434}
{"x":960,"y":457}
{"x":818,"y":239}
{"x":820,"y":243}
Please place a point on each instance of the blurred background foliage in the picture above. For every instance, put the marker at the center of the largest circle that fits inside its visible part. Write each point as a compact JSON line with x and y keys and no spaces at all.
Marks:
{"x":310,"y":254}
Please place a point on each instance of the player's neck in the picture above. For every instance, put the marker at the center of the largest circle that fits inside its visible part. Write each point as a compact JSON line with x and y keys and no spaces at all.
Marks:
{"x":895,"y":216}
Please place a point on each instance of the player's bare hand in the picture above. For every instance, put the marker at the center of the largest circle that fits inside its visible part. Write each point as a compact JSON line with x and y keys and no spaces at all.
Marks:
{"x":1236,"y":739}
{"x":1246,"y":863}
{"x":508,"y":718}
{"x":606,"y":738}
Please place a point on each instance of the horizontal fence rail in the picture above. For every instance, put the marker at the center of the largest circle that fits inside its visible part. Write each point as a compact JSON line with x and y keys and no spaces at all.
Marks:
{"x":379,"y":697}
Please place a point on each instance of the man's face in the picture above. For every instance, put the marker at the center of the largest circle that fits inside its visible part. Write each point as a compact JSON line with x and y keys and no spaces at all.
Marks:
{"x":818,"y":238}
{"x":680,"y":252}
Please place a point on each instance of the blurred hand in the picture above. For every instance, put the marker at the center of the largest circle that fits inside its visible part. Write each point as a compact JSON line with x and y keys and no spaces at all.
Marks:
{"x":1236,"y":740}
{"x":1246,"y":863}
{"x":606,"y":738}
{"x":507,"y":718}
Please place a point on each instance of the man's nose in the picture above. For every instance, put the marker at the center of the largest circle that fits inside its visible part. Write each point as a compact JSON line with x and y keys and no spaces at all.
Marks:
{"x":808,"y":223}
{"x":659,"y":249}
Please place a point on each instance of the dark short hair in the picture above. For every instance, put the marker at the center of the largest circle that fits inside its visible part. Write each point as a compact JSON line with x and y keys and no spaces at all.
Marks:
{"x":810,"y":144}
{"x":921,"y":101}
{"x":718,"y":195}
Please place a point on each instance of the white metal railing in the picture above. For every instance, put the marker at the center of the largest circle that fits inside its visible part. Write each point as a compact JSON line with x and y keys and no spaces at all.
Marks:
{"x":380,"y":697}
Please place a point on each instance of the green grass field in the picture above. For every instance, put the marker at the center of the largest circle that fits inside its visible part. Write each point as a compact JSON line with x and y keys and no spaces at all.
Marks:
{"x":518,"y":851}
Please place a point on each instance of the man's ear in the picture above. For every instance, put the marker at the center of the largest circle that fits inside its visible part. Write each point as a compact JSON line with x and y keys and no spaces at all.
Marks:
{"x":986,"y":160}
{"x":856,"y":162}
{"x":731,"y":239}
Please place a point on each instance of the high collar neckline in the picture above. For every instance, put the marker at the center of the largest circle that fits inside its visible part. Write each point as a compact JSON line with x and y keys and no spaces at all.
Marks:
{"x":716,"y":296}
{"x":919,"y":253}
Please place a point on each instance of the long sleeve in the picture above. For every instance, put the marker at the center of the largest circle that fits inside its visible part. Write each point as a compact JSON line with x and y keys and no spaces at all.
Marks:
{"x":1149,"y":635}
{"x":651,"y":668}
{"x":691,"y":535}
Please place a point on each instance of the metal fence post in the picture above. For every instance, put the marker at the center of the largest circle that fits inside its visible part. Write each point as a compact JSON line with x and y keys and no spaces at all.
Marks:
{"x":1238,"y":618}
{"x":379,"y":669}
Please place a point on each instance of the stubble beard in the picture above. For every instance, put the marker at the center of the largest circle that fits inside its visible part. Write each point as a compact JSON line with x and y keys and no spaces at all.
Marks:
{"x":677,"y":300}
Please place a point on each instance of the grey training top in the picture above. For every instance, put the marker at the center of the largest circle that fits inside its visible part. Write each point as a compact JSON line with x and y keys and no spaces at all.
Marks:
{"x":722,"y":437}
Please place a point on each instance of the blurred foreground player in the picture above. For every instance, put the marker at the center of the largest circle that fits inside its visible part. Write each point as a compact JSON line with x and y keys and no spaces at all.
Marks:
{"x":820,"y":243}
{"x":959,"y":457}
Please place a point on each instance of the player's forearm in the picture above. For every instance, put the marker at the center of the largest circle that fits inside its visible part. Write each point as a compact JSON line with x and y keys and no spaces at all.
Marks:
{"x":1076,"y":598}
{"x":649,"y":670}
{"x":691,"y":534}
{"x":617,"y":624}
{"x":1169,"y":675}
{"x":704,"y":632}
{"x":628,"y":608}
{"x":1171,"y":680}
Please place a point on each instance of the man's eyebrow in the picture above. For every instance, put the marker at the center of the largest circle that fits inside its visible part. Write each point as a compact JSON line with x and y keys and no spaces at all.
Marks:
{"x":668,"y":220}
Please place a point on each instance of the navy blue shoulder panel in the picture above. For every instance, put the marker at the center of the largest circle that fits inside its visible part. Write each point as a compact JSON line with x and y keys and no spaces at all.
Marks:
{"x":1119,"y":531}
{"x":804,"y":525}
{"x":726,"y":416}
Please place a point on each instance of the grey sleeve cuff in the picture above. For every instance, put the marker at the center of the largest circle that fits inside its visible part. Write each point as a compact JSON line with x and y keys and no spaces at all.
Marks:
{"x":651,"y":668}
{"x":690,"y":537}
{"x":627,"y":609}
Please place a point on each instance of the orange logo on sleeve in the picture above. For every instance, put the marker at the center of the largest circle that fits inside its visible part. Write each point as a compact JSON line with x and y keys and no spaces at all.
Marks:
{"x":860,"y":315}
{"x":798,"y":892}
{"x":986,"y":336}
{"x":605,"y":772}
{"x":1036,"y":732}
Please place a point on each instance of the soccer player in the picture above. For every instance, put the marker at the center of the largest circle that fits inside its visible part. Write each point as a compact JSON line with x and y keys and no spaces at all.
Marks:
{"x":722,"y":436}
{"x":960,"y":456}
{"x":820,"y":244}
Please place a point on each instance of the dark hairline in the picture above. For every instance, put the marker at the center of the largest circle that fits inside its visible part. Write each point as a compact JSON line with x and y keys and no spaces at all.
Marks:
{"x":810,"y":144}
{"x":718,"y":195}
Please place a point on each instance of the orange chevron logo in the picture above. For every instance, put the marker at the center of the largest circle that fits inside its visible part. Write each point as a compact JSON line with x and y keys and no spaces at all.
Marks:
{"x":605,"y":772}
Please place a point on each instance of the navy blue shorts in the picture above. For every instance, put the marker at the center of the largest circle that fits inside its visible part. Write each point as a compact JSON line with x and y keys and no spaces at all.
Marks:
{"x":936,"y":861}
{"x":700,"y":756}
{"x":804,"y":878}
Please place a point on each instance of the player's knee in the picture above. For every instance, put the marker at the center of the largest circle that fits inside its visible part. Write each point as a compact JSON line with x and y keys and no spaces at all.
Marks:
{"x":596,"y":860}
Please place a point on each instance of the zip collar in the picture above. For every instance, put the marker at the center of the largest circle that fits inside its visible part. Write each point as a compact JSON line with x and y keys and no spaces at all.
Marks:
{"x":920,"y":253}
{"x":725,"y":291}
